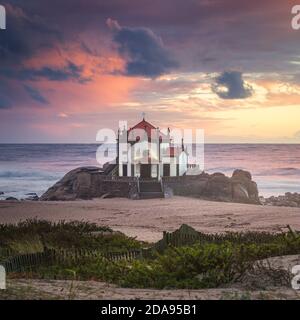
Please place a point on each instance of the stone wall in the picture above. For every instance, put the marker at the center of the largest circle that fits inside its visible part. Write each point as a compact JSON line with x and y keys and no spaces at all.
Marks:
{"x":185,"y":185}
{"x":119,"y":188}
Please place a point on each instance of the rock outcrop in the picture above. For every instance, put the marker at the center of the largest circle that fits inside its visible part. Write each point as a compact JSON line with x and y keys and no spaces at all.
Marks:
{"x":287,"y":200}
{"x":80,"y":183}
{"x":92,"y":182}
{"x":88,"y":183}
{"x":31,"y":197}
{"x":11,"y":199}
{"x":243,"y":187}
{"x":238,"y":188}
{"x":218,"y":186}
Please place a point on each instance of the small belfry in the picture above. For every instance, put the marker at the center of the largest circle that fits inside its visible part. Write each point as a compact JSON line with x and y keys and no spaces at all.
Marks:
{"x":152,"y":153}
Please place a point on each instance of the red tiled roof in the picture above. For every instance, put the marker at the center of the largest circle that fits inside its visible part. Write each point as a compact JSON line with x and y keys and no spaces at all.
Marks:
{"x":146,"y":126}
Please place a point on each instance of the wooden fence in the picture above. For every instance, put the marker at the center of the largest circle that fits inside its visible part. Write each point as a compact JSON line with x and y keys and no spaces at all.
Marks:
{"x":22,"y":262}
{"x":17,"y":263}
{"x":67,"y":255}
{"x":185,"y":235}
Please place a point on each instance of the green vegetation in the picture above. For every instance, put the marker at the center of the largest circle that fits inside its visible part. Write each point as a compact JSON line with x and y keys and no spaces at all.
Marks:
{"x":198,"y":266}
{"x":33,"y":235}
{"x":216,"y":260}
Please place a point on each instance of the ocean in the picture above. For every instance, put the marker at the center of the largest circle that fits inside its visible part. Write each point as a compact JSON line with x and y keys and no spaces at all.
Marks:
{"x":33,"y":168}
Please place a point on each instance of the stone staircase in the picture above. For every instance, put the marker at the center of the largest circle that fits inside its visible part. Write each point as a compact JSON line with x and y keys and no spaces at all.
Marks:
{"x":150,"y":189}
{"x":111,"y":170}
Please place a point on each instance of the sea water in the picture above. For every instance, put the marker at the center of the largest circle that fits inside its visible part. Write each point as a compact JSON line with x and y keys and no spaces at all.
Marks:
{"x":33,"y":168}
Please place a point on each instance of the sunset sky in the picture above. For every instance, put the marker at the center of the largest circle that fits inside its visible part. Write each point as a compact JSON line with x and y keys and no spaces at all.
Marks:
{"x":69,"y":68}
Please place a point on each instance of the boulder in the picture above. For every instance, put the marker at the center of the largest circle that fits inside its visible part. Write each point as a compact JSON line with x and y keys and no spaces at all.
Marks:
{"x":92,"y":182}
{"x":287,"y":200}
{"x":80,"y":183}
{"x":239,"y":192}
{"x":238,"y":188}
{"x":11,"y":199}
{"x":218,"y":187}
{"x":241,"y":175}
{"x":244,"y":189}
{"x":1,"y":193}
{"x":32,"y":197}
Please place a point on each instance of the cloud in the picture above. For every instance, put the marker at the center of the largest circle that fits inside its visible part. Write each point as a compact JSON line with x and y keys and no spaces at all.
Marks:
{"x":35,"y":95}
{"x":230,"y":85}
{"x":70,"y":71}
{"x":296,"y":78}
{"x":297,"y":135}
{"x":143,"y":50}
{"x":6,"y":94}
{"x":5,"y":103}
{"x":25,"y":35}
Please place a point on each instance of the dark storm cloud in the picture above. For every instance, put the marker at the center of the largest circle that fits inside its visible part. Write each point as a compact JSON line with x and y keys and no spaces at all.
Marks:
{"x":5,"y":102}
{"x":204,"y":35}
{"x":70,"y":72}
{"x":234,"y":85}
{"x":8,"y":96}
{"x":25,"y":36}
{"x":35,"y":95}
{"x":143,"y":50}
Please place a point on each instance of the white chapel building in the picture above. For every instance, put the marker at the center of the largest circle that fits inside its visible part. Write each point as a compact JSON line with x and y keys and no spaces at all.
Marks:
{"x":152,"y":154}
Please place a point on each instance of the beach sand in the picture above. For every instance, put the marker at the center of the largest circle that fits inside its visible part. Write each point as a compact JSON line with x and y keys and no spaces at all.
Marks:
{"x":147,"y":219}
{"x":94,"y":290}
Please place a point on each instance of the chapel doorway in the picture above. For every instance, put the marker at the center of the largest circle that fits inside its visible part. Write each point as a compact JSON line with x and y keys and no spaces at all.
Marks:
{"x":166,"y":170}
{"x":145,"y":171}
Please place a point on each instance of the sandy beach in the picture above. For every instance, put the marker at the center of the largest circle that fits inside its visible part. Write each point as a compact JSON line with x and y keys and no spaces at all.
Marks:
{"x":147,"y":219}
{"x":95,"y":290}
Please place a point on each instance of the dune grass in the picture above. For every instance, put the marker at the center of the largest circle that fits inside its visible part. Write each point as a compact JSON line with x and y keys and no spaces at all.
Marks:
{"x":33,"y":235}
{"x":215,"y":261}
